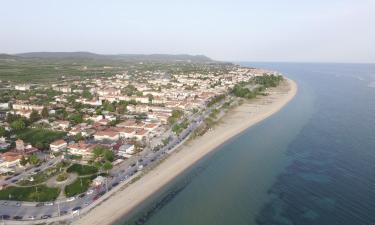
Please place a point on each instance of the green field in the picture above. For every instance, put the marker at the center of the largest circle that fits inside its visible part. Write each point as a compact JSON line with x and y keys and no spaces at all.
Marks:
{"x":82,"y":169}
{"x":39,"y":193}
{"x":79,"y":186}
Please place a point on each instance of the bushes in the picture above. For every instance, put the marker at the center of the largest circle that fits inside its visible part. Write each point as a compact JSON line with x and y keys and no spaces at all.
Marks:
{"x":82,"y":169}
{"x":39,"y":193}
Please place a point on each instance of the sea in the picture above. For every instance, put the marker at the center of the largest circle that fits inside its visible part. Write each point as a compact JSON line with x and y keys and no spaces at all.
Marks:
{"x":312,"y":163}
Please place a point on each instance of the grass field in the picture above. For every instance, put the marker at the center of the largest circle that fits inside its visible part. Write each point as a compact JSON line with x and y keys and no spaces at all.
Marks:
{"x":39,"y":193}
{"x":82,"y":169}
{"x":79,"y":186}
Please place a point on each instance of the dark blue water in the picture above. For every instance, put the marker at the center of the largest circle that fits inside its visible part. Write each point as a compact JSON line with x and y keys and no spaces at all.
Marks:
{"x":311,"y":163}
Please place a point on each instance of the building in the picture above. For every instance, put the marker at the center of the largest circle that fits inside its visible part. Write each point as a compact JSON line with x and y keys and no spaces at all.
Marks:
{"x":126,"y":150}
{"x":22,"y":87}
{"x":106,"y":135}
{"x":58,"y":145}
{"x":81,"y":149}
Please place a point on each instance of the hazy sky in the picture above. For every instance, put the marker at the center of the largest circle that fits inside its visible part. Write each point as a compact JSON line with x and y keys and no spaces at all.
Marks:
{"x":263,"y":30}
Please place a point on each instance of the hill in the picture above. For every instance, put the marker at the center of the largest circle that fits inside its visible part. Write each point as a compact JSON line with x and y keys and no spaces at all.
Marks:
{"x":123,"y":57}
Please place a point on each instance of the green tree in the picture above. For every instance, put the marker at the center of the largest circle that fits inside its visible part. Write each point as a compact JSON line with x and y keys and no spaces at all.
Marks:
{"x":78,"y":137}
{"x":33,"y":159}
{"x":23,"y":161}
{"x":109,"y":155}
{"x":18,"y":125}
{"x":34,"y":116}
{"x":98,"y":151}
{"x":2,"y":131}
{"x":107,"y":166}
{"x":76,"y":118}
{"x":45,"y":113}
{"x":86,"y":94}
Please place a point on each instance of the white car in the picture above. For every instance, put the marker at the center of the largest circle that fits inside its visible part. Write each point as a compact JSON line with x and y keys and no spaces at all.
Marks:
{"x":48,"y":203}
{"x":70,"y":199}
{"x":89,"y":192}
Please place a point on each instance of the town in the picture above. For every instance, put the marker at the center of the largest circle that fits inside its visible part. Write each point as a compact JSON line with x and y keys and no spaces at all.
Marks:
{"x":66,"y":143}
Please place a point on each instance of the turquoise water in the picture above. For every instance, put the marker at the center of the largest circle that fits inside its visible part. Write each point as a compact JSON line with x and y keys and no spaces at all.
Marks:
{"x":311,"y":163}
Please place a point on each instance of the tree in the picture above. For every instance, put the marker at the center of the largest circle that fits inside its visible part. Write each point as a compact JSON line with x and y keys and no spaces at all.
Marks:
{"x":86,"y":94}
{"x":107,"y":166}
{"x":109,"y":155}
{"x":33,"y":159}
{"x":18,"y":125}
{"x":2,"y":131}
{"x":76,"y":118}
{"x":150,"y":98}
{"x":34,"y":116}
{"x":78,"y":137}
{"x":23,"y":161}
{"x":98,"y":151}
{"x":45,"y":113}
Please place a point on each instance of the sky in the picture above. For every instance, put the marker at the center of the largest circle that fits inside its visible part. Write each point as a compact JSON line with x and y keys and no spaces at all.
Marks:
{"x":231,"y":30}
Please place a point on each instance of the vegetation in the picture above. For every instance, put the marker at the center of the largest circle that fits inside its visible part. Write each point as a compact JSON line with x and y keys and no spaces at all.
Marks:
{"x":178,"y":128}
{"x":176,"y":115}
{"x":62,"y":176}
{"x":39,"y":193}
{"x":215,"y":100}
{"x":257,"y":84}
{"x":82,"y":169}
{"x":79,"y":186}
{"x":41,"y":138}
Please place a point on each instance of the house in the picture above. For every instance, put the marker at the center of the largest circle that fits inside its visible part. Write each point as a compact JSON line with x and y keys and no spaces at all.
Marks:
{"x":140,"y":134}
{"x":58,"y":145}
{"x":125,"y":132}
{"x":106,"y":135}
{"x":10,"y":159}
{"x":99,"y":180}
{"x":22,"y":87}
{"x":3,"y":143}
{"x":62,"y":124}
{"x":125,"y":150}
{"x":81,"y":149}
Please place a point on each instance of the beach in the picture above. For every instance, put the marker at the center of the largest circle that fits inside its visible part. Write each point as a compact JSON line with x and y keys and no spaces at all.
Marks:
{"x":233,"y":123}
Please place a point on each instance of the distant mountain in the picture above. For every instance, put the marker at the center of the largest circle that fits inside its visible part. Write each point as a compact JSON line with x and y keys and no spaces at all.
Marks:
{"x":7,"y":56}
{"x":124,"y":57}
{"x":61,"y":55}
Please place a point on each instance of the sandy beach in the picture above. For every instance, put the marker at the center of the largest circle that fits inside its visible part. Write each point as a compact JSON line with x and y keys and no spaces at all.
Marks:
{"x":233,"y":123}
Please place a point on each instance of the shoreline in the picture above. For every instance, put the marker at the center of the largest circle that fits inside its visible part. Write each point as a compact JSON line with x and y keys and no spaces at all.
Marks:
{"x":232,"y":124}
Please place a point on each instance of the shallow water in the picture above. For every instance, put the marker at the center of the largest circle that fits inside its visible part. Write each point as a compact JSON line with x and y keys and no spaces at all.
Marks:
{"x":311,"y":163}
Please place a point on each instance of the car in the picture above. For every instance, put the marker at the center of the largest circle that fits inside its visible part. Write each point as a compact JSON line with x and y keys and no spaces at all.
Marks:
{"x":115,"y":184}
{"x":87,"y":203}
{"x":70,"y":199}
{"x":31,"y":217}
{"x":18,"y":204}
{"x":64,"y":212}
{"x":76,"y":208}
{"x":5,"y":203}
{"x":48,"y":203}
{"x":89,"y":192}
{"x":96,"y":197}
{"x":37,"y":170}
{"x":17,"y":217}
{"x":5,"y":217}
{"x":82,"y":195}
{"x":45,"y":217}
{"x":7,"y":178}
{"x":14,"y":181}
{"x":39,"y":204}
